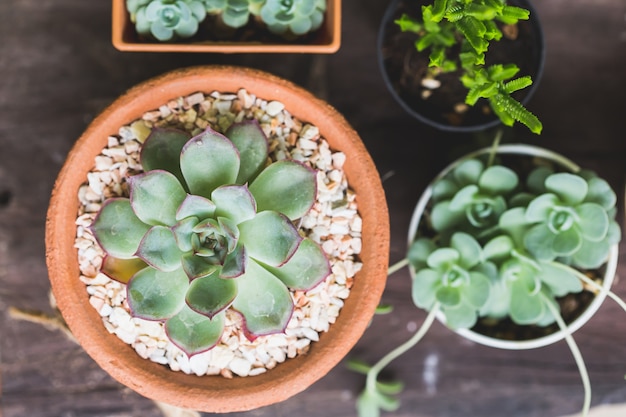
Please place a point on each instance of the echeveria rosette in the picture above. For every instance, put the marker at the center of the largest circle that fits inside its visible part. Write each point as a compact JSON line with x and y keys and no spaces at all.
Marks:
{"x":471,"y":196}
{"x":234,"y":13}
{"x":166,"y":19}
{"x":572,"y":221}
{"x":522,"y":286}
{"x":454,"y":276}
{"x":194,"y":238}
{"x":295,"y":16}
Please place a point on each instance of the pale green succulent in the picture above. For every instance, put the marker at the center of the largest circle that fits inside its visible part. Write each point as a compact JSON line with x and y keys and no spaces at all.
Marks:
{"x":455,"y":277}
{"x":209,"y":226}
{"x":295,"y":16}
{"x":234,"y":13}
{"x":166,"y":19}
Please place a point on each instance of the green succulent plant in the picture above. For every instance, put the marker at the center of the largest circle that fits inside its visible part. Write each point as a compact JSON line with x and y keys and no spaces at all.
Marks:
{"x":234,"y":13}
{"x":166,"y":19}
{"x":496,"y":247}
{"x":445,"y":24}
{"x":295,"y":16}
{"x":208,"y":226}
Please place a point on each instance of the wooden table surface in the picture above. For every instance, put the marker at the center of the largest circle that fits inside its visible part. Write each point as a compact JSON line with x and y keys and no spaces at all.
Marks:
{"x":58,"y":70}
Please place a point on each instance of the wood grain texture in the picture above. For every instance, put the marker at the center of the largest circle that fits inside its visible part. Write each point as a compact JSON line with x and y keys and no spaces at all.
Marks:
{"x":58,"y":69}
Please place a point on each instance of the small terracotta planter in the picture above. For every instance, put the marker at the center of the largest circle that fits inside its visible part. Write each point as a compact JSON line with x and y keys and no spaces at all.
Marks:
{"x":474,"y":334}
{"x":208,"y":393}
{"x":326,"y":40}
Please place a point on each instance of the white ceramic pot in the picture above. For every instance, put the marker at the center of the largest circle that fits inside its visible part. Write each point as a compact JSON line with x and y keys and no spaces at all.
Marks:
{"x":610,"y":268}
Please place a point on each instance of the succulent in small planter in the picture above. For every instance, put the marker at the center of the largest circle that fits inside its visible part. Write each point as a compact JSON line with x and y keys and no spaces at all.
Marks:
{"x":248,"y":25}
{"x":454,"y":63}
{"x":194,"y":238}
{"x":507,"y":244}
{"x":165,"y":20}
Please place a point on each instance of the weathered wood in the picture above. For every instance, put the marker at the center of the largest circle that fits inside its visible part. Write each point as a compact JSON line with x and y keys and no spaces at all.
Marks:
{"x":58,"y":69}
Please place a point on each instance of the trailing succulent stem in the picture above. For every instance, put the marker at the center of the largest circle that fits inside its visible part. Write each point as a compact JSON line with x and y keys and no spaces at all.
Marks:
{"x":209,"y":226}
{"x":473,"y":24}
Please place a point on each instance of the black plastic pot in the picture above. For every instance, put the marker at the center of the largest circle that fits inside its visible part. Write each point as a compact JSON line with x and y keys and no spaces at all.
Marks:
{"x":397,"y":58}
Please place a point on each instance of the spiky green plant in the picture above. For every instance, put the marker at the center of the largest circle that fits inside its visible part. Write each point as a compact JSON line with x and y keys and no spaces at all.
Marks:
{"x":208,"y":226}
{"x":234,"y":13}
{"x":497,"y":247}
{"x":295,"y":16}
{"x":473,"y":23}
{"x":166,"y":19}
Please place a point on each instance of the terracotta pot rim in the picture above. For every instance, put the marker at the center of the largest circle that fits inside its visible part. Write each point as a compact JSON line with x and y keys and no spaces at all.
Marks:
{"x":609,"y":275}
{"x":217,"y":394}
{"x":327,"y":42}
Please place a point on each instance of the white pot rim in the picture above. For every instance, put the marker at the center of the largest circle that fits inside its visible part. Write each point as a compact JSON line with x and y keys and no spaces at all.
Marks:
{"x":611,"y":265}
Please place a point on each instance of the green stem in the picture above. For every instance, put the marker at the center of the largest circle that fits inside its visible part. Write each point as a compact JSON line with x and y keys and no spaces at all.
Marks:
{"x":494,"y":147}
{"x":591,"y":283}
{"x":372,"y":375}
{"x":580,"y":362}
{"x":397,"y":266}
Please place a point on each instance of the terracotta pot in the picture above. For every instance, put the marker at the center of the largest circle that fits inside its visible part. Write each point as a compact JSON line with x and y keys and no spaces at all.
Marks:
{"x":217,"y":394}
{"x":396,"y":54}
{"x":326,"y":40}
{"x":609,"y":268}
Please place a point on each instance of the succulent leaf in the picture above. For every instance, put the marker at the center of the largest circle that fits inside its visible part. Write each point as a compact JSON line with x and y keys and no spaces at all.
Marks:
{"x":155,"y":197}
{"x":208,"y":161}
{"x":159,"y":249}
{"x":253,"y":149}
{"x":193,"y":332}
{"x":526,"y":306}
{"x":117,"y":228}
{"x":197,"y":266}
{"x":287,"y":187}
{"x":211,"y":294}
{"x":263,"y":300}
{"x":157,"y":295}
{"x":161,"y":150}
{"x":234,"y":202}
{"x":195,"y":206}
{"x":234,"y":263}
{"x":121,"y":270}
{"x":570,"y":188}
{"x":498,"y":180}
{"x":305,"y":269}
{"x":270,"y":226}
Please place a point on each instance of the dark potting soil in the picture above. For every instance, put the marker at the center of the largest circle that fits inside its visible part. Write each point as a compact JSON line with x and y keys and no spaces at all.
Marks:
{"x":406,"y":67}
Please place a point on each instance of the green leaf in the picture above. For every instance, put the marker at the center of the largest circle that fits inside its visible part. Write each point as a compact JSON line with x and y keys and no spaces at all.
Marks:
{"x":157,"y":295}
{"x":498,"y":247}
{"x":464,"y":197}
{"x":536,"y":180}
{"x":439,"y":9}
{"x":287,"y":187}
{"x":197,"y":266}
{"x":234,"y":263}
{"x":593,"y":221}
{"x":473,"y":30}
{"x":408,"y":24}
{"x":211,"y":294}
{"x":501,"y":72}
{"x":121,"y":270}
{"x":161,"y":150}
{"x":442,"y":258}
{"x":117,"y":229}
{"x":234,"y":202}
{"x":517,"y":84}
{"x":591,"y":254}
{"x":569,"y":187}
{"x":468,"y":172}
{"x":559,"y":280}
{"x":540,"y":208}
{"x":600,"y":192}
{"x":498,"y":179}
{"x":195,"y":206}
{"x":419,"y":251}
{"x":270,"y":238}
{"x":305,"y":269}
{"x":448,"y":296}
{"x":469,"y":250}
{"x":539,"y":242}
{"x":208,"y":161}
{"x":251,"y":142}
{"x":442,"y":218}
{"x":155,"y":197}
{"x":159,"y":249}
{"x":508,"y":109}
{"x":526,"y":307}
{"x":424,"y":287}
{"x":476,"y":293}
{"x":263,"y":300}
{"x":184,"y":234}
{"x":462,"y":316}
{"x":193,"y":332}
